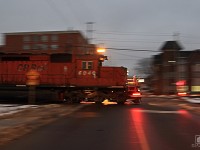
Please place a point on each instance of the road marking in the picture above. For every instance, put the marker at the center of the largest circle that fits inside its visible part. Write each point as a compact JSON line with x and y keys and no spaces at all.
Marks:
{"x":157,"y":111}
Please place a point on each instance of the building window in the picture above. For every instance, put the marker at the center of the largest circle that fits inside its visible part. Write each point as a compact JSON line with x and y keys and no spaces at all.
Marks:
{"x":87,"y":65}
{"x":69,"y":41}
{"x":35,"y":38}
{"x":54,"y":47}
{"x":26,"y":47}
{"x":195,"y":74}
{"x":182,"y":60}
{"x":44,"y":38}
{"x":182,"y":68}
{"x":43,"y":46}
{"x":196,"y":68}
{"x":196,"y":81}
{"x":26,"y":38}
{"x":36,"y":47}
{"x":54,"y":38}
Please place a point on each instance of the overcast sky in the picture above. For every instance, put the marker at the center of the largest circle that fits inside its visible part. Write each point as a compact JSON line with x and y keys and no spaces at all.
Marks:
{"x":120,"y":24}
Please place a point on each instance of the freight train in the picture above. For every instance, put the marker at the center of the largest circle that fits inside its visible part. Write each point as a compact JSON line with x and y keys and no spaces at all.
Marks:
{"x":73,"y":77}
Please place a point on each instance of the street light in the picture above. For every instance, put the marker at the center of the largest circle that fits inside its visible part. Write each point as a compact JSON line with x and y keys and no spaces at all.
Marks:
{"x":101,"y":49}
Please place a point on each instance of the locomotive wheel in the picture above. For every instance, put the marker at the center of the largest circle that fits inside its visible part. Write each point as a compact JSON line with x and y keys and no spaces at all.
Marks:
{"x":69,"y":100}
{"x":121,"y":99}
{"x":138,"y":101}
{"x":76,"y":100}
{"x":120,"y":102}
{"x":98,"y":100}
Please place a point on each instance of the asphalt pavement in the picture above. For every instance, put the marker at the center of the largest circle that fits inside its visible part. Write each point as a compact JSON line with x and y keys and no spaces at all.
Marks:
{"x":17,"y":122}
{"x":158,"y":123}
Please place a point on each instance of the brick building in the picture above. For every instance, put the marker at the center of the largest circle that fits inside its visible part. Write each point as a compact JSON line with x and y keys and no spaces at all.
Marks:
{"x":173,"y":65}
{"x":47,"y":42}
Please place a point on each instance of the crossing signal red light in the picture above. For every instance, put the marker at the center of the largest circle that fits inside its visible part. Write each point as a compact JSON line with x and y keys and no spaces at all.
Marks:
{"x":181,"y":83}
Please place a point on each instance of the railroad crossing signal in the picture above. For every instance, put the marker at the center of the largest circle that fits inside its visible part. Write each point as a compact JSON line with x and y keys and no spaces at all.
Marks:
{"x":33,"y":77}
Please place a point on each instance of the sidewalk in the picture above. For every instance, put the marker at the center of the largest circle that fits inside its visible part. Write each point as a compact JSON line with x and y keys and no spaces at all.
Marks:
{"x":14,"y":125}
{"x":192,"y":100}
{"x":188,"y":99}
{"x":8,"y":109}
{"x":161,"y":96}
{"x":186,"y":103}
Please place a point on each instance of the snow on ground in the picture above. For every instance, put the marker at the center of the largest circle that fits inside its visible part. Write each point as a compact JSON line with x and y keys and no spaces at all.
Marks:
{"x":6,"y":109}
{"x":188,"y":99}
{"x":192,"y":100}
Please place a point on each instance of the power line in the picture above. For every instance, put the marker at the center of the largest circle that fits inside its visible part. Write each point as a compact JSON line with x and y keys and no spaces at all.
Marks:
{"x":127,"y":49}
{"x":182,"y":35}
{"x":127,"y":40}
{"x":128,"y":56}
{"x":132,"y":33}
{"x":56,"y":10}
{"x":107,"y":48}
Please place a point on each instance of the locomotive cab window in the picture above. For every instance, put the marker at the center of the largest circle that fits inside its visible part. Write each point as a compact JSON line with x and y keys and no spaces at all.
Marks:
{"x":87,"y":65}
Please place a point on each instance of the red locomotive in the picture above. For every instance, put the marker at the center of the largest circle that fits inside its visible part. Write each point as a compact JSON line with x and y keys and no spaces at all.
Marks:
{"x":64,"y":62}
{"x":74,"y":75}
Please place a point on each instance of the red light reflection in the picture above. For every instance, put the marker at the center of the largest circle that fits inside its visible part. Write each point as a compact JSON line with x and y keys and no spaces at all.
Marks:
{"x":139,"y":123}
{"x":184,"y":113}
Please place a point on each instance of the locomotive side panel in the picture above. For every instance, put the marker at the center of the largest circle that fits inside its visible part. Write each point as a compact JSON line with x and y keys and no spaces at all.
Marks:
{"x":54,"y":70}
{"x":113,"y":76}
{"x":10,"y":74}
{"x":14,"y":72}
{"x":86,"y":71}
{"x":60,"y":72}
{"x":61,"y":69}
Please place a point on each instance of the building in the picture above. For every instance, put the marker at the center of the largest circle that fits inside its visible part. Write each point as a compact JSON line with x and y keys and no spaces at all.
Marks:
{"x":173,"y":65}
{"x":1,"y":48}
{"x":47,"y":42}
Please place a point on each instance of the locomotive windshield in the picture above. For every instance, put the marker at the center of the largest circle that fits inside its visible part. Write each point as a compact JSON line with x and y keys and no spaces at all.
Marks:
{"x":87,"y":65}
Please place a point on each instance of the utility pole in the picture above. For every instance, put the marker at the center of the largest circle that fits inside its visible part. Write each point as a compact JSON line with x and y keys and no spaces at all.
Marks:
{"x":89,"y":31}
{"x":176,"y":36}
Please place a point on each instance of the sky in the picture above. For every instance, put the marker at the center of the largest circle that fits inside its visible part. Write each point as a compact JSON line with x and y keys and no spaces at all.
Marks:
{"x":117,"y":24}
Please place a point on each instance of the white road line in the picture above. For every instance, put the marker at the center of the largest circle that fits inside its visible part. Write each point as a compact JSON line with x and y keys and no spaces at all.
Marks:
{"x":157,"y":111}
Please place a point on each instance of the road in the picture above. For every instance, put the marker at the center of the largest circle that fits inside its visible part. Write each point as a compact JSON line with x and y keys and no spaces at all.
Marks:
{"x":116,"y":127}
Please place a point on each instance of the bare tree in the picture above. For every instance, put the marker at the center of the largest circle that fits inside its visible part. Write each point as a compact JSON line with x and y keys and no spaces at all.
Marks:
{"x":143,"y":67}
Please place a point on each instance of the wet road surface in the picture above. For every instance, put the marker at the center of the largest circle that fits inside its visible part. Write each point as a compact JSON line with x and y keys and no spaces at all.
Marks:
{"x":116,"y":127}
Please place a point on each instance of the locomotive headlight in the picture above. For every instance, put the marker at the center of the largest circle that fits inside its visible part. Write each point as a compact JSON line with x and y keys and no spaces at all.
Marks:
{"x":102,"y":58}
